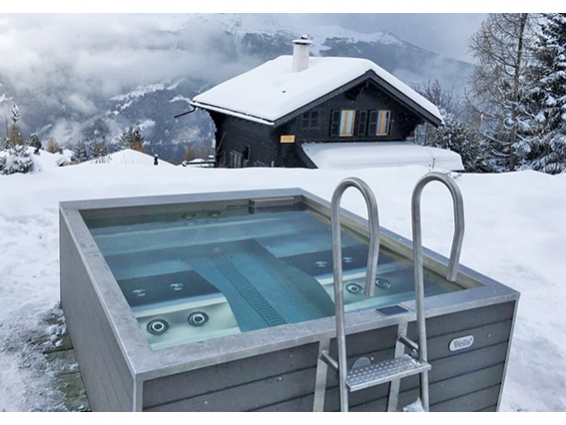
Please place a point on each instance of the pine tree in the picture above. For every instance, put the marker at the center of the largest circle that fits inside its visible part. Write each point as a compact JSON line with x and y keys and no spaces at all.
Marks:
{"x":82,"y":153}
{"x":34,"y":142}
{"x":547,"y":95}
{"x":17,"y":157}
{"x":14,"y":136}
{"x":132,"y":138}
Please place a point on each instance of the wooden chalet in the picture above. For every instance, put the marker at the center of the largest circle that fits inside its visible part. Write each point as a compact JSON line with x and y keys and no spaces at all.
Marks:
{"x":269,"y":115}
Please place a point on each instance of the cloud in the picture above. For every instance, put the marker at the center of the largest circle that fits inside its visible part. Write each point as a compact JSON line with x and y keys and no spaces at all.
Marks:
{"x":67,"y":67}
{"x":443,"y":33}
{"x":103,"y":53}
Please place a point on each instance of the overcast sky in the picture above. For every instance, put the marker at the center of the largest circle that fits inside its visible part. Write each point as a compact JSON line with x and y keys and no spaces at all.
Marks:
{"x":443,"y":33}
{"x":101,"y":53}
{"x":74,"y":59}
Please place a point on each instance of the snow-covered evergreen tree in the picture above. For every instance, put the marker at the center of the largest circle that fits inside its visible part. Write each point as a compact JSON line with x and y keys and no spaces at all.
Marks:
{"x":132,"y":138}
{"x":15,"y":156}
{"x":16,"y":160}
{"x":547,"y":96}
{"x":14,"y":136}
{"x":82,"y":151}
{"x":458,"y":137}
{"x":34,"y":142}
{"x":501,"y":48}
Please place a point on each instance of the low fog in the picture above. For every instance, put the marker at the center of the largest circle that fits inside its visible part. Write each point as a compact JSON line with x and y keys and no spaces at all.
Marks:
{"x":102,"y":54}
{"x":62,"y":70}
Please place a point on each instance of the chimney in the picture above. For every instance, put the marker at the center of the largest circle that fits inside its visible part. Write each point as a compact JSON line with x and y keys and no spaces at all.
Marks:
{"x":301,"y":53}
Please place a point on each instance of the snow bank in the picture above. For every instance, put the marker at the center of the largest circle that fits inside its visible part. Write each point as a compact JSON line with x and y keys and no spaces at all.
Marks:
{"x":381,"y":154}
{"x":129,"y":157}
{"x":515,"y":233}
{"x":272,"y":91}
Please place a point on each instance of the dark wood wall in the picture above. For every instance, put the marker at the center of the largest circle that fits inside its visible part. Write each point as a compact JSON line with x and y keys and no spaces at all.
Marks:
{"x":364,"y":97}
{"x":263,"y":141}
{"x":234,"y":134}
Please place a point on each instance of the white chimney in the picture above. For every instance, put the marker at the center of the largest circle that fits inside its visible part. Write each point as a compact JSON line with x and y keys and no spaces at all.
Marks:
{"x":301,"y":49}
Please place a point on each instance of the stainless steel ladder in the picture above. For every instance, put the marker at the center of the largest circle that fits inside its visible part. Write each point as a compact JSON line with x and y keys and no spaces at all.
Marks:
{"x":364,"y":374}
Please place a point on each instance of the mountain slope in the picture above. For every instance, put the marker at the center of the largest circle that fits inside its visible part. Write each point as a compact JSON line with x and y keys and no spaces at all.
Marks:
{"x":148,"y":77}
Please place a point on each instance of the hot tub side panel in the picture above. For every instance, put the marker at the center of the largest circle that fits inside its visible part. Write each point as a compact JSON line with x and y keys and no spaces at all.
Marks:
{"x":108,"y":382}
{"x":465,"y":380}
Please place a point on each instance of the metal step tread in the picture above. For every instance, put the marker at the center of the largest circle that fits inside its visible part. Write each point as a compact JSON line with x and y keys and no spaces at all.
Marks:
{"x":385,"y":371}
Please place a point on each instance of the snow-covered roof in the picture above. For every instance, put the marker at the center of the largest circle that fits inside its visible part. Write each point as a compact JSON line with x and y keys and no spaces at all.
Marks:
{"x":380,"y":154}
{"x":272,"y":91}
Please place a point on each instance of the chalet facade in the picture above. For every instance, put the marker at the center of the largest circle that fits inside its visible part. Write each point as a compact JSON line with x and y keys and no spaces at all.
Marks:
{"x":269,"y":115}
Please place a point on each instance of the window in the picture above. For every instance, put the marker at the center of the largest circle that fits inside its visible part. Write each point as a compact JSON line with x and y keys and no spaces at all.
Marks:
{"x":309,"y":120}
{"x":347,"y":119}
{"x":379,"y":122}
{"x":236,"y":159}
{"x":383,"y":122}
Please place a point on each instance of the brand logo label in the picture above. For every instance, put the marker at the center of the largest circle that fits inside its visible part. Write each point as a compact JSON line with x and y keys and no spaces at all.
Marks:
{"x":461,"y":343}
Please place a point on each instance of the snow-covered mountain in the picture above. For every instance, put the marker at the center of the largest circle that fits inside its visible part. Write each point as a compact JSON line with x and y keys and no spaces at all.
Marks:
{"x":149,"y":77}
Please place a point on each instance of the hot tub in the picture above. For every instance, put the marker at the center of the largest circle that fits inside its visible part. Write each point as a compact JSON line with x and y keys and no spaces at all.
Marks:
{"x":220,"y":302}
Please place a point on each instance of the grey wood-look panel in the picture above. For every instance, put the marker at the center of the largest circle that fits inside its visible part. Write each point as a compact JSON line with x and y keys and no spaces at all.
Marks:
{"x":454,"y":394}
{"x":469,"y":403}
{"x":377,"y":344}
{"x":121,"y":376}
{"x":468,"y":319}
{"x":94,"y":347}
{"x":78,"y":323}
{"x":173,"y":388}
{"x":442,"y":370}
{"x":300,"y":384}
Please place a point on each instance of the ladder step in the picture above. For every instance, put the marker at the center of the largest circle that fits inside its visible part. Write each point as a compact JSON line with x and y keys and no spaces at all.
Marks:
{"x":385,"y":371}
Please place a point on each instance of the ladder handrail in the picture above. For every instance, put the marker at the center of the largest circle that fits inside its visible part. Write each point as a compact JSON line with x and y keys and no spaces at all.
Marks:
{"x":418,"y":258}
{"x":373,"y":222}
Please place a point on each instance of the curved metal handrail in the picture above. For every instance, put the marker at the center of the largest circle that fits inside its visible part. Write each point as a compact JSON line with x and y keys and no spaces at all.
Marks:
{"x":373,"y":222}
{"x":418,"y":258}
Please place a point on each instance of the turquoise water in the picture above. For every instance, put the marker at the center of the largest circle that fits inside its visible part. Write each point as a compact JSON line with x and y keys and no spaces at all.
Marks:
{"x":198,"y":275}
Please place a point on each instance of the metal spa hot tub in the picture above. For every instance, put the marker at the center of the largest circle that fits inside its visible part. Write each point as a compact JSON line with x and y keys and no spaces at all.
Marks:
{"x":225,"y":301}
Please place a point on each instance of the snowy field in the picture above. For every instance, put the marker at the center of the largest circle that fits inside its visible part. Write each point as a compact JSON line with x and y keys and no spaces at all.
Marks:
{"x":515,"y":233}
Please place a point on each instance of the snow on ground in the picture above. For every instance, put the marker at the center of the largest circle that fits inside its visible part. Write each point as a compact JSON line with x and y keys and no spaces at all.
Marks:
{"x":515,"y":233}
{"x":128,"y":157}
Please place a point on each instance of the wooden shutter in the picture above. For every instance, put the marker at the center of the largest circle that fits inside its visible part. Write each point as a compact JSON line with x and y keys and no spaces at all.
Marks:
{"x":362,"y":123}
{"x":314,"y":120}
{"x":372,"y":127}
{"x":305,"y":121}
{"x":335,"y":123}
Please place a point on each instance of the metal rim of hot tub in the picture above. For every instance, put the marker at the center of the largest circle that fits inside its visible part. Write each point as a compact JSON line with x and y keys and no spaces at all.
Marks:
{"x":143,"y":363}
